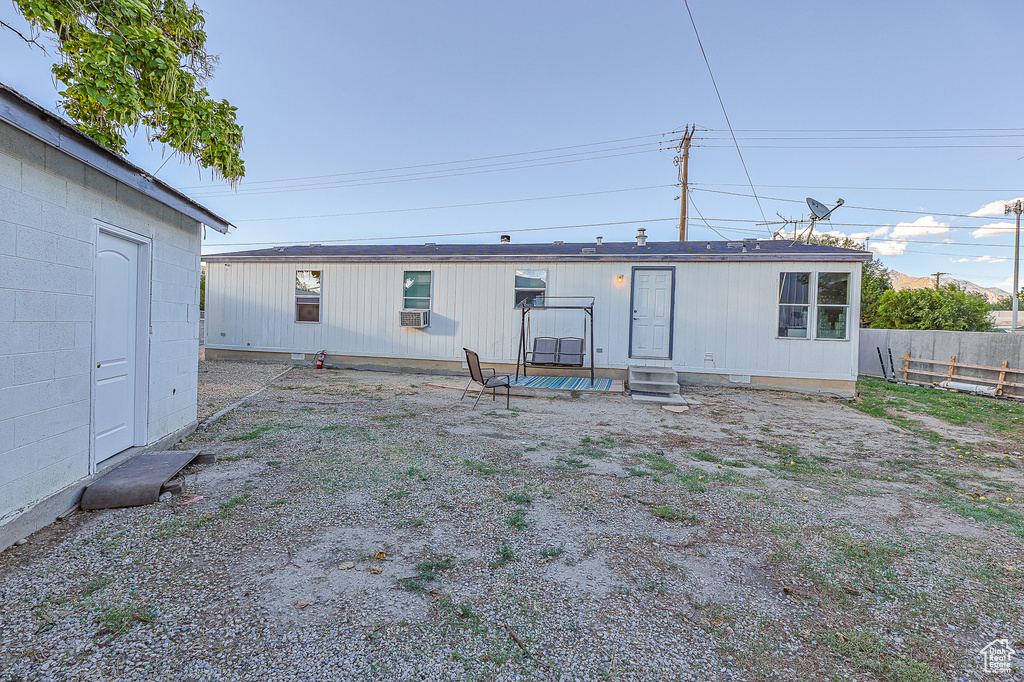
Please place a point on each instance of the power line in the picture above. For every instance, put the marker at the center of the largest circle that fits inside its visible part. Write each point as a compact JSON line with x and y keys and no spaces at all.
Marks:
{"x":724,"y":112}
{"x":872,"y":137}
{"x":901,"y":146}
{"x":455,"y":234}
{"x":859,"y":208}
{"x":449,"y":163}
{"x":435,"y":208}
{"x":567,"y":227}
{"x":870,"y":130}
{"x":839,"y":187}
{"x":704,"y":220}
{"x":405,"y":178}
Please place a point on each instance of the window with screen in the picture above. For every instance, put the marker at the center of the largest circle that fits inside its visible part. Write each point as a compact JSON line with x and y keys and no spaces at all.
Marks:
{"x":531,"y":285}
{"x":307,"y":296}
{"x":416,"y":290}
{"x":794,"y":304}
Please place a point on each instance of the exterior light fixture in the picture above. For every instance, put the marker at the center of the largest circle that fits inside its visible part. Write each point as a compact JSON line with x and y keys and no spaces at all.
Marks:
{"x":620,"y":279}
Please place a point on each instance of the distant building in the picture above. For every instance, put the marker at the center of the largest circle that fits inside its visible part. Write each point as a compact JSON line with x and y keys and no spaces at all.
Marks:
{"x":1003,"y":320}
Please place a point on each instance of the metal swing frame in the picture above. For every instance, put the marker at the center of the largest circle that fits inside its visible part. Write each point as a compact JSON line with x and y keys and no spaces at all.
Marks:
{"x":584,"y":303}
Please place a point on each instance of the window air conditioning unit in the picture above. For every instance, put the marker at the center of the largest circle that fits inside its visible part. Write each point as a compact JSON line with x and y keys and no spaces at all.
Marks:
{"x":414,"y":318}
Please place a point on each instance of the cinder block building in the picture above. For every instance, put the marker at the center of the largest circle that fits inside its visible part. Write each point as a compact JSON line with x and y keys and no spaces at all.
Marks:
{"x":99,"y":313}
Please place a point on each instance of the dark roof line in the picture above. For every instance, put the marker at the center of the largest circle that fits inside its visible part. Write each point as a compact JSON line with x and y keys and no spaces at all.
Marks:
{"x":745,"y":250}
{"x":53,"y":130}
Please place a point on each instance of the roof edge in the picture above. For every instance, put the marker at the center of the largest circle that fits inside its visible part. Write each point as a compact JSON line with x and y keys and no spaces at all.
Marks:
{"x":522,"y":258}
{"x":51,"y":129}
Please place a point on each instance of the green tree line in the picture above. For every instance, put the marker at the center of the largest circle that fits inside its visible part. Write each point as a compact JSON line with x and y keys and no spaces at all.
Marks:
{"x":882,"y":307}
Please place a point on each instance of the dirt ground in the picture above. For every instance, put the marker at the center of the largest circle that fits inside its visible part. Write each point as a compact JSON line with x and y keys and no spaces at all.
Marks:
{"x":362,"y":525}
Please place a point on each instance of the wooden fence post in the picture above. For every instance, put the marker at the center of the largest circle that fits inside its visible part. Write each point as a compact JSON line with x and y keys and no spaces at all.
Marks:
{"x":906,"y":366}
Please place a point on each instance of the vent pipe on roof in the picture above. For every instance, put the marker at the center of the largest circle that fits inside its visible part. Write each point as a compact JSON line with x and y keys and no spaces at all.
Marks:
{"x":506,"y":239}
{"x":641,"y":237}
{"x":600,"y":240}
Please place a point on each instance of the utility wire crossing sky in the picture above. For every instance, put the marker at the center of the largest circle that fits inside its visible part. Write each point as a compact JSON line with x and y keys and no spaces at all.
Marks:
{"x":411,"y":122}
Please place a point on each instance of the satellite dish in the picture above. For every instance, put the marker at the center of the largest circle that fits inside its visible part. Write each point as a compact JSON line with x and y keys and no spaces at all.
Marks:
{"x":819,"y":209}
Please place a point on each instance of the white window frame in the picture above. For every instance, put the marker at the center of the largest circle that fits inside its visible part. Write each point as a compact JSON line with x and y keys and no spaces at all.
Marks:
{"x":809,"y":305}
{"x":430,"y":294}
{"x":533,"y":291}
{"x":813,"y":306}
{"x":307,"y":299}
{"x":818,"y":306}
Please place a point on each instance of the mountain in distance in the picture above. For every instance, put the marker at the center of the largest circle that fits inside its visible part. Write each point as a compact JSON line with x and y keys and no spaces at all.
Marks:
{"x":901,"y":282}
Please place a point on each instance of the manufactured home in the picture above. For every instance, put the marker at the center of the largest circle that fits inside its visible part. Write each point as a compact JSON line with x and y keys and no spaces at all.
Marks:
{"x":99,"y":313}
{"x":759,"y":313}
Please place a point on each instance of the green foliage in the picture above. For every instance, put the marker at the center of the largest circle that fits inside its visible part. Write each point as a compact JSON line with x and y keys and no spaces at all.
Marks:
{"x":668,"y":513}
{"x":1006,"y":303}
{"x":505,"y":555}
{"x":890,"y":401}
{"x":125,"y":63}
{"x":202,"y":293}
{"x":874,"y":278}
{"x":948,"y":308}
{"x":552,"y":552}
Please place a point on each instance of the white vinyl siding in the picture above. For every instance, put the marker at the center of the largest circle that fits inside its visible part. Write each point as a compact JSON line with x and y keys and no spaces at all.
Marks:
{"x":725,"y":311}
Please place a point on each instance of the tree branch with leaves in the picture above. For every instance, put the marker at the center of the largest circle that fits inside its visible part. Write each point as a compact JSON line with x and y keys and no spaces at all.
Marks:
{"x":130,"y":63}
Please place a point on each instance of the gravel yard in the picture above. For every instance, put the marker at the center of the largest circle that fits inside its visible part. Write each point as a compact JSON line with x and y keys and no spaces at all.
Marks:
{"x":362,"y":525}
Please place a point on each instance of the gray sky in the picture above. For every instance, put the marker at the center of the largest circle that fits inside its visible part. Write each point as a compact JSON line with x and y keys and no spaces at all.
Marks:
{"x":390,"y":117}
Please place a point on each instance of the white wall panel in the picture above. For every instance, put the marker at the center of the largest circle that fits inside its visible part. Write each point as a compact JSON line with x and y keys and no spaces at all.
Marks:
{"x":728,"y":309}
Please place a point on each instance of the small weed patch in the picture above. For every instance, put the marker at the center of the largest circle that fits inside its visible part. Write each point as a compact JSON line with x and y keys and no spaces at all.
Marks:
{"x":693,"y":482}
{"x":479,"y":467}
{"x":518,"y":521}
{"x":659,"y":463}
{"x":706,"y":457}
{"x":552,"y":552}
{"x":253,"y":433}
{"x":427,"y":570}
{"x":566,"y":463}
{"x":520,"y":498}
{"x":96,"y":584}
{"x":667,"y":513}
{"x":505,"y":555}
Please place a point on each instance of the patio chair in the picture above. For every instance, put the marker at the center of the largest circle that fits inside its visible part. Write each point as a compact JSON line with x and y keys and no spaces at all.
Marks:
{"x":570,"y":352}
{"x":493,"y":382}
{"x":544,"y":350}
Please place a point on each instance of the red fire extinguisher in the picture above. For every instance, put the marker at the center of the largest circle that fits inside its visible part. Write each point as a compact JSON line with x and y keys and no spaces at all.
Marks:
{"x":320,"y":357}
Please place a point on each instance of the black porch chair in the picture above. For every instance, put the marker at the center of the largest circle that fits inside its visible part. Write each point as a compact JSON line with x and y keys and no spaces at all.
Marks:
{"x":493,"y":382}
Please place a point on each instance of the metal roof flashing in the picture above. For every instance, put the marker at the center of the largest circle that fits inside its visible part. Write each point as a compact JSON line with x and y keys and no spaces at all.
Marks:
{"x":763,"y":250}
{"x":46,"y":126}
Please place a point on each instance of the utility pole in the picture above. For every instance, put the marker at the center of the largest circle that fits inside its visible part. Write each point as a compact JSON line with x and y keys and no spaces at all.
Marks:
{"x":1016,"y":207}
{"x":936,"y":276}
{"x":682,"y":161}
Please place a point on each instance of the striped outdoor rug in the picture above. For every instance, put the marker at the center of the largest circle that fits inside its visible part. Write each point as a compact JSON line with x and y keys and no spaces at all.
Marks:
{"x":563,"y":383}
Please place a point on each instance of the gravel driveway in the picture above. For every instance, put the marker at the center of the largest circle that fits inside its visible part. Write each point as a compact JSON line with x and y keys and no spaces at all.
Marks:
{"x":362,"y":525}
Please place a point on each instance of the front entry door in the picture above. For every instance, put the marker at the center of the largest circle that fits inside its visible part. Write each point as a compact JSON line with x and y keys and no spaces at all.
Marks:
{"x":114,"y":350}
{"x":651,"y":330}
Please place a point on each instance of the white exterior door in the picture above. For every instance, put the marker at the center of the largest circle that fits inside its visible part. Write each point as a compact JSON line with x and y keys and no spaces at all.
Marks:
{"x":651,"y":331}
{"x":114,"y":349}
